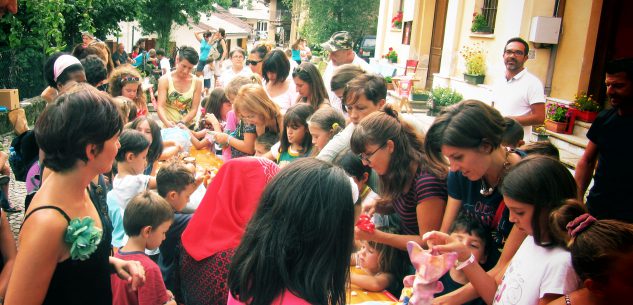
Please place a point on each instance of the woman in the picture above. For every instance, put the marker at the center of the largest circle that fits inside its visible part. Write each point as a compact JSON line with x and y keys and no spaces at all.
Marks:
{"x":296,"y":249}
{"x":215,"y":230}
{"x":237,"y":67}
{"x":79,"y":137}
{"x":468,"y":135}
{"x":220,"y":44}
{"x":179,"y":91}
{"x":205,"y":47}
{"x":256,"y":57}
{"x":310,"y":85}
{"x":279,"y":87}
{"x":413,"y":185}
{"x":296,"y":51}
{"x":61,"y":71}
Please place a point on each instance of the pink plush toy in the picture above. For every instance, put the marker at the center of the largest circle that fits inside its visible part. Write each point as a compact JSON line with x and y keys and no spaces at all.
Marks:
{"x":429,"y":268}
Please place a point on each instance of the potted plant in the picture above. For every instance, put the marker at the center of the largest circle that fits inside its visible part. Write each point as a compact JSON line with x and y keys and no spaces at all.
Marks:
{"x":541,"y":134}
{"x":391,"y":56}
{"x":419,"y":94}
{"x":442,"y":97}
{"x":479,"y":24}
{"x":475,"y":62}
{"x":585,"y":107}
{"x":396,"y":21}
{"x":556,"y":117}
{"x":389,"y":82}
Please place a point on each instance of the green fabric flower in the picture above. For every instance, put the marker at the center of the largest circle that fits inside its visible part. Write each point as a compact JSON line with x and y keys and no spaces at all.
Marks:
{"x":83,"y":238}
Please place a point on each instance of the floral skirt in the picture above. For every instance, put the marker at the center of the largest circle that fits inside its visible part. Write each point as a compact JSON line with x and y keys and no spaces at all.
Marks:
{"x":205,"y":281}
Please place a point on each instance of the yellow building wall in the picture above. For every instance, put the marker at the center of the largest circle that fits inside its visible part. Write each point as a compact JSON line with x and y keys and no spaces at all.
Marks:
{"x":576,"y":48}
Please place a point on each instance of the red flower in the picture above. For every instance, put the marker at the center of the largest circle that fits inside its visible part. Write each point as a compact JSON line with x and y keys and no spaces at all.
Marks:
{"x":390,"y":49}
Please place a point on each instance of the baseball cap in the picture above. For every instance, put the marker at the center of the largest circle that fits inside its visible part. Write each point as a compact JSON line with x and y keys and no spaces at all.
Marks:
{"x":341,"y":40}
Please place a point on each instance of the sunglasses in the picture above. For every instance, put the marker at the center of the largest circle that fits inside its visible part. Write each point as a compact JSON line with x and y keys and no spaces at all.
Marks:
{"x":251,"y":62}
{"x":129,"y":79}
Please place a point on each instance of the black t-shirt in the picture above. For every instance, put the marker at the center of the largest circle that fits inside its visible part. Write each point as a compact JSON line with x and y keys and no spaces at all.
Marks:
{"x":121,"y":58}
{"x":609,"y":197}
{"x":450,"y":286}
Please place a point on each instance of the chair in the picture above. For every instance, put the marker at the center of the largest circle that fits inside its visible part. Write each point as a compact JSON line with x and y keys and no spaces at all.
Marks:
{"x":411,"y":64}
{"x":403,"y":86}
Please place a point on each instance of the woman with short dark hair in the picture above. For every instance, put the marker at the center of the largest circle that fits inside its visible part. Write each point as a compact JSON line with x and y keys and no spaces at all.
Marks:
{"x":280,"y":88}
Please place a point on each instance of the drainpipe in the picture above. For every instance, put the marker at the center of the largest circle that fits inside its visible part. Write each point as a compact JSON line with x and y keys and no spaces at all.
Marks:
{"x":559,"y":9}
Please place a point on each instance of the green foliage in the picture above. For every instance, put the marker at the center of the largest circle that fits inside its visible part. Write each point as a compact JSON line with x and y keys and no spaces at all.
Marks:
{"x":325,"y":17}
{"x":159,"y":15}
{"x":584,"y":102}
{"x":444,"y":96}
{"x":480,"y":24}
{"x":557,"y":113}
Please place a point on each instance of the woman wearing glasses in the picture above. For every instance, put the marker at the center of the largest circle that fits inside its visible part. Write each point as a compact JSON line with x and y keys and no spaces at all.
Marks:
{"x":237,"y":67}
{"x":411,"y":185}
{"x":256,"y":57}
{"x":126,"y":81}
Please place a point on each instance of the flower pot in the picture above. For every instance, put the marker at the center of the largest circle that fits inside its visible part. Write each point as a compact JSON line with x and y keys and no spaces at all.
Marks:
{"x":586,"y":116}
{"x":541,"y":136}
{"x":474,"y":79}
{"x":557,"y":127}
{"x":393,"y":60}
{"x":420,"y":96}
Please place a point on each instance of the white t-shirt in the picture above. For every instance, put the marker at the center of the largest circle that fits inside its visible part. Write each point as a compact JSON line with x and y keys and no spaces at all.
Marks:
{"x":288,"y":98}
{"x":207,"y":72}
{"x":165,"y":67}
{"x":515,"y":96}
{"x":534,"y":272}
{"x":123,"y":189}
{"x":228,"y":74}
{"x":327,"y":78}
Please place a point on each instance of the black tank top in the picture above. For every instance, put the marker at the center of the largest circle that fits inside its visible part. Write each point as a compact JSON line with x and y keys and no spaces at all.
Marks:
{"x":83,"y":282}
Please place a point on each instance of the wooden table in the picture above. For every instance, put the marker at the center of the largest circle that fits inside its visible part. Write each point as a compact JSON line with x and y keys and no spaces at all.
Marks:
{"x":357,"y":295}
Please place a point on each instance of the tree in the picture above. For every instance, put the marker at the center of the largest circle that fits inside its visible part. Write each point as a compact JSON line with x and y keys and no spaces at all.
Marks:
{"x":159,"y":15}
{"x":324,"y":17}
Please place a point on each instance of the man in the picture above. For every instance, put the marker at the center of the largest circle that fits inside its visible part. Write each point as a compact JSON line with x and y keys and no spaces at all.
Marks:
{"x":165,"y":67}
{"x":120,"y":57}
{"x":610,"y":147}
{"x":520,"y":94}
{"x":10,"y":6}
{"x":340,"y":48}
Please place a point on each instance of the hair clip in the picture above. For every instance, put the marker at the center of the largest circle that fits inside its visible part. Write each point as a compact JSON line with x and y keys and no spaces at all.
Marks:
{"x":579,"y":224}
{"x":335,"y":125}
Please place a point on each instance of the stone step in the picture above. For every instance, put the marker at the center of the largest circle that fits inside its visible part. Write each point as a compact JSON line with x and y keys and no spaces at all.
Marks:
{"x":581,"y":128}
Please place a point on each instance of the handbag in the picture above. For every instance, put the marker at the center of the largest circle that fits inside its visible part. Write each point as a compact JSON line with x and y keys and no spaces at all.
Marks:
{"x":214,"y":53}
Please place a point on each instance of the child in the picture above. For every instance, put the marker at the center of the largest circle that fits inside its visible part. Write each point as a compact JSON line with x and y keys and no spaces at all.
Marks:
{"x":323,"y":125}
{"x":385,"y":266}
{"x":175,"y":183}
{"x":601,"y":253}
{"x":147,"y":219}
{"x":231,"y":90}
{"x":124,"y":105}
{"x":126,"y":81}
{"x":215,"y":111}
{"x":545,"y":148}
{"x":513,"y":133}
{"x":157,"y":148}
{"x":473,"y":235}
{"x":295,"y":141}
{"x":259,"y":114}
{"x":360,"y":172}
{"x":264,"y":143}
{"x":208,"y":76}
{"x":540,"y":271}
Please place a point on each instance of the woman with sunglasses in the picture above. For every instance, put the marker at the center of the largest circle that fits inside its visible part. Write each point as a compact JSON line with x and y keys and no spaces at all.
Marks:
{"x":126,"y":81}
{"x":310,"y":87}
{"x":256,"y":57}
{"x":411,"y":185}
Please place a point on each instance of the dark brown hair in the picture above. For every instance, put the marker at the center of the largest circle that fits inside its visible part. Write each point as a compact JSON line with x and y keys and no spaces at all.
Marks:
{"x":309,"y":73}
{"x":173,"y":177}
{"x":382,"y":126}
{"x":372,"y":86}
{"x":146,"y":209}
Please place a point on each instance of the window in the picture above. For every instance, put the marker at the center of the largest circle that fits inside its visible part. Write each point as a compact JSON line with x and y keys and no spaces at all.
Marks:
{"x":485,"y":21}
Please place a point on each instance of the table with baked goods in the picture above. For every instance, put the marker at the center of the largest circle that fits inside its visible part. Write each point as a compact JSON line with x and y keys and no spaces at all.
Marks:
{"x":357,"y":295}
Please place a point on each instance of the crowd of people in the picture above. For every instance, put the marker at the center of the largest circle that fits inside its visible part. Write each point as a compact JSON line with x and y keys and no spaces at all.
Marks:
{"x":305,"y":156}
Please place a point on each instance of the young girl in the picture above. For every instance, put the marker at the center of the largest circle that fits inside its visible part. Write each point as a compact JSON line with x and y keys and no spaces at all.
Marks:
{"x":258,"y":113}
{"x":216,"y":108}
{"x":323,"y":125}
{"x":151,"y":131}
{"x":360,"y":172}
{"x":540,"y":270}
{"x":126,"y":81}
{"x":601,"y":253}
{"x":384,"y":266}
{"x":131,"y":163}
{"x":295,"y":141}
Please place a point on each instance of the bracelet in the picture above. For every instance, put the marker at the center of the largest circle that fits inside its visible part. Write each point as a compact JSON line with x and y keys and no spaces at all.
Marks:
{"x":228,"y":140}
{"x":461,"y":265}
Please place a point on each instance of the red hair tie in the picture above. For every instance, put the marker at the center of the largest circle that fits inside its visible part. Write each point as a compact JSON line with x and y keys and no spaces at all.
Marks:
{"x":364,"y":224}
{"x":579,"y":224}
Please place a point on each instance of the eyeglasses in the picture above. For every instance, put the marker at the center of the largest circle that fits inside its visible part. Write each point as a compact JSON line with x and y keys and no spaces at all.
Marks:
{"x":513,"y":52}
{"x":251,"y":62}
{"x":366,"y":157}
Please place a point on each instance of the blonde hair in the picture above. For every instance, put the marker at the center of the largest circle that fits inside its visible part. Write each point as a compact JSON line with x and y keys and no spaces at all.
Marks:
{"x":253,"y":98}
{"x":124,"y":105}
{"x":237,"y":82}
{"x":118,"y":79}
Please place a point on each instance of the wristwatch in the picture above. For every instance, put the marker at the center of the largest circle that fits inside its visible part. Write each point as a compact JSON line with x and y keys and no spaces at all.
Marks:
{"x":461,"y":265}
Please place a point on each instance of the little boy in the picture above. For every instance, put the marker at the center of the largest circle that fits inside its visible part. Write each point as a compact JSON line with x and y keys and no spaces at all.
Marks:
{"x":470,"y":232}
{"x":175,"y":183}
{"x":147,"y":218}
{"x":513,"y":134}
{"x":208,"y":77}
{"x":264,"y":142}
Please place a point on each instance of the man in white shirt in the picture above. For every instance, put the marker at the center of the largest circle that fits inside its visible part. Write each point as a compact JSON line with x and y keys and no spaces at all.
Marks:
{"x":340,"y":48}
{"x":520,"y":95}
{"x":165,"y":67}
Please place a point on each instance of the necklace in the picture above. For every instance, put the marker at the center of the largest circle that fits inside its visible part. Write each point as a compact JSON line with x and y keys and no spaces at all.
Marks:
{"x":487,"y":191}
